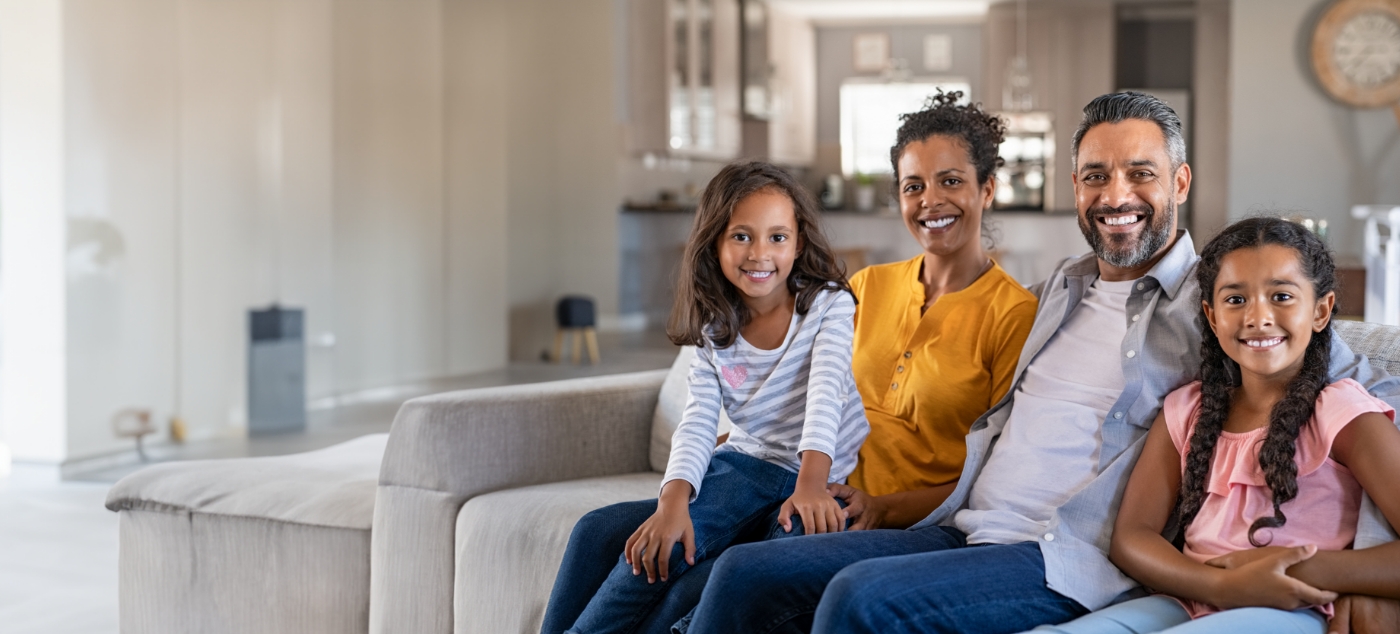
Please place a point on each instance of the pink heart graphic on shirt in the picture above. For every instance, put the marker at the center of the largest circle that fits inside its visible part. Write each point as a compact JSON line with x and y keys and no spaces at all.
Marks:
{"x":735,"y":375}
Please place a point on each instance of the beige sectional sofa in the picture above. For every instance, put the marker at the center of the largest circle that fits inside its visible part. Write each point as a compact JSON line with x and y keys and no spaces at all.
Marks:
{"x":476,"y":494}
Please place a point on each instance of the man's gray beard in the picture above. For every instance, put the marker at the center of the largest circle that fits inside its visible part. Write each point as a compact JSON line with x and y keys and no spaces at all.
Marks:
{"x":1154,"y":237}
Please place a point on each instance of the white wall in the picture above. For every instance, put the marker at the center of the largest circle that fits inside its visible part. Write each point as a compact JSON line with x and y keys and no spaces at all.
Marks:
{"x":389,"y":221}
{"x":475,"y":92}
{"x":343,"y":156}
{"x":1291,"y":147}
{"x":122,"y":184}
{"x":565,"y":152}
{"x":32,"y":303}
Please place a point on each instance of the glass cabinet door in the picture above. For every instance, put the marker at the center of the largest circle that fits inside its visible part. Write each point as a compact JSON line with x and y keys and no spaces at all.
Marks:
{"x":699,"y":83}
{"x":680,"y":75}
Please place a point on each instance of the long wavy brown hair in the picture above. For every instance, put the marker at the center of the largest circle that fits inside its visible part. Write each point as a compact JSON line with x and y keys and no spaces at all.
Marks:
{"x":1219,"y":372}
{"x":708,"y":306}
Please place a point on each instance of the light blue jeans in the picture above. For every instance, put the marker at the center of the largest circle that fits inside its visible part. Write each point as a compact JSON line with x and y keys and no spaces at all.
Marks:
{"x":1163,"y":614}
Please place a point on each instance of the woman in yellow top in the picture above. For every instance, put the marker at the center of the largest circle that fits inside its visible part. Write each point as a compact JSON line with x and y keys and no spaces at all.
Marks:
{"x":937,"y":337}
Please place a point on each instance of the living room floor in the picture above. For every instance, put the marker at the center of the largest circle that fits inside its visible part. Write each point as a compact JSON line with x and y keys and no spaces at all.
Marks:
{"x":58,"y":544}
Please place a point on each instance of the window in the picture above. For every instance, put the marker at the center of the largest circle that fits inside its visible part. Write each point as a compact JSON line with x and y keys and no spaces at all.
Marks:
{"x":870,"y":118}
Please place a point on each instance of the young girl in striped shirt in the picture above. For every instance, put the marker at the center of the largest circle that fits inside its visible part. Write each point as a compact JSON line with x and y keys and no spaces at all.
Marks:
{"x":762,"y":298}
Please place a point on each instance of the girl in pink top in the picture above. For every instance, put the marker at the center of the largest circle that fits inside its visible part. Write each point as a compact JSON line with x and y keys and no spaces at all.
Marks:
{"x":1263,"y":461}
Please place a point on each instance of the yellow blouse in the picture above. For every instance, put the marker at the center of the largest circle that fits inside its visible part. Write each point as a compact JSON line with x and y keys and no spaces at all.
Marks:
{"x":926,"y":378}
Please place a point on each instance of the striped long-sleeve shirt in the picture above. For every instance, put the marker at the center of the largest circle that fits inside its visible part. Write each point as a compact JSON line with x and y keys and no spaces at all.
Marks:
{"x":800,"y":396}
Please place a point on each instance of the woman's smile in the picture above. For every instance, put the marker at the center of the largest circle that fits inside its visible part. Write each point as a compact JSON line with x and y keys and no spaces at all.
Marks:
{"x":938,"y":224}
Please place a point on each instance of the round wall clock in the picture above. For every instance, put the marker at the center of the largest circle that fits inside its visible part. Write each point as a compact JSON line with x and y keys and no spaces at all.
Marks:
{"x":1356,"y":52}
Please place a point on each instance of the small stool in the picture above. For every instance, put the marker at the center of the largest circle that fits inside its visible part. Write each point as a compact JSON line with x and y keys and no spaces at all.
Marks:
{"x":574,"y":315}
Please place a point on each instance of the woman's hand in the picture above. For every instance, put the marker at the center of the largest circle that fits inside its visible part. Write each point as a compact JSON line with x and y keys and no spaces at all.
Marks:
{"x":1264,"y":582}
{"x":650,"y":546}
{"x":866,"y":511}
{"x":819,"y":511}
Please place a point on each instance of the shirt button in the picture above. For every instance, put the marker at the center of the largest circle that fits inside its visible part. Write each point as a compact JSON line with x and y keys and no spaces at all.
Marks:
{"x":1135,"y":317}
{"x":1049,"y":537}
{"x":1131,"y":354}
{"x":899,"y":369}
{"x":908,"y":354}
{"x":894,"y":386}
{"x":1141,"y":286}
{"x":1118,"y":414}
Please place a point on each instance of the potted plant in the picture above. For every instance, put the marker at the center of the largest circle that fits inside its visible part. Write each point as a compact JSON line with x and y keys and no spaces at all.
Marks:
{"x":865,"y":192}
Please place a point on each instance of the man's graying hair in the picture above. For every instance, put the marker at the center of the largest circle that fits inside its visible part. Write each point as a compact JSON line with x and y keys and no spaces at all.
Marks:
{"x":1119,"y":106}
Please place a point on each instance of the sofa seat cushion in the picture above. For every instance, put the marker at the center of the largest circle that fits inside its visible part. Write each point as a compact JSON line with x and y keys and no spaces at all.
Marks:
{"x":333,"y":487}
{"x":510,"y":544}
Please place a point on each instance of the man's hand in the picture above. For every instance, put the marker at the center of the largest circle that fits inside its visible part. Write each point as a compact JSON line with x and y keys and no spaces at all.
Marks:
{"x":866,"y":511}
{"x":1360,"y":614}
{"x":819,"y":511}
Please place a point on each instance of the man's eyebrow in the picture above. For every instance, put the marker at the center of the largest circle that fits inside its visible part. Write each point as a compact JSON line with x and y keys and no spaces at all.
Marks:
{"x":1096,"y":165}
{"x":1142,"y":163}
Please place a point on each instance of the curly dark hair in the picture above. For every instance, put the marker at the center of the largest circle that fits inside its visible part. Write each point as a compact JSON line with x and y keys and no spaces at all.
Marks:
{"x":1219,"y":373}
{"x":981,"y":132}
{"x":707,"y":304}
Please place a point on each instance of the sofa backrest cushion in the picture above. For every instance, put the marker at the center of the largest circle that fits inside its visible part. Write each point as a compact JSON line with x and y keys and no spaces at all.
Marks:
{"x":1380,"y":343}
{"x":669,"y":407}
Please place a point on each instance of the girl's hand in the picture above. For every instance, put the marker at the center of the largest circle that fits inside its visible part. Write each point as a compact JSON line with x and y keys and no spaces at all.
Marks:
{"x":866,"y":511}
{"x":819,"y":511}
{"x":1242,"y":557}
{"x":650,"y":546}
{"x":1264,"y":582}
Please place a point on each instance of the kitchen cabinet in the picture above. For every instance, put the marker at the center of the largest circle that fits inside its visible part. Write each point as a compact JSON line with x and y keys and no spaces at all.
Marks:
{"x":683,"y":93}
{"x":792,"y":120}
{"x":1070,"y":50}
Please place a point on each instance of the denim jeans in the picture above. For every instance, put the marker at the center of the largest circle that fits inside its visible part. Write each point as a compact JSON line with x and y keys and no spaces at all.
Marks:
{"x":1150,"y":615}
{"x":926,"y":580}
{"x":596,"y":590}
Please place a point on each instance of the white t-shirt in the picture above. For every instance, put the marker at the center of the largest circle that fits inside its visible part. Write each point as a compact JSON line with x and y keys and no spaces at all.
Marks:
{"x":1050,"y":447}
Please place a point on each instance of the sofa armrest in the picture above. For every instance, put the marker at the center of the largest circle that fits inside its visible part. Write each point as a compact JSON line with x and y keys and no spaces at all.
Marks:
{"x":447,"y":448}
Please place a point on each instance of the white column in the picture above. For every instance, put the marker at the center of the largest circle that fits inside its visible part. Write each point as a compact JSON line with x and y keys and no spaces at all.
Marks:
{"x":33,"y":363}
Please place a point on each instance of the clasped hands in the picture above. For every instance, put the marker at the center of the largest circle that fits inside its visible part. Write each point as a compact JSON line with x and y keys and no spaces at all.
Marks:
{"x":1259,"y":577}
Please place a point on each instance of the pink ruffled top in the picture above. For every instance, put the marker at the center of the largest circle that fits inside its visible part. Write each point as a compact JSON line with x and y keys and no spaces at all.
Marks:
{"x":1329,"y":497}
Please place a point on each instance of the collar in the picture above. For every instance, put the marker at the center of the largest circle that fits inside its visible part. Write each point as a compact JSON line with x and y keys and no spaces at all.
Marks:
{"x":1170,"y":272}
{"x":1176,"y":266}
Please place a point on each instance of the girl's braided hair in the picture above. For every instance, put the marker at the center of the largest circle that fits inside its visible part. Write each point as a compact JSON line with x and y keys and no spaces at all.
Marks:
{"x":1219,"y":373}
